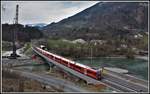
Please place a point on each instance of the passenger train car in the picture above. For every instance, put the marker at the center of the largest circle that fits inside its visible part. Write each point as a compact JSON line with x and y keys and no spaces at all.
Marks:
{"x":83,"y":69}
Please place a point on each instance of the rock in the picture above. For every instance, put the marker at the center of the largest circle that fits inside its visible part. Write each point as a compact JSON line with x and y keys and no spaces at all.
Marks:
{"x":79,"y":41}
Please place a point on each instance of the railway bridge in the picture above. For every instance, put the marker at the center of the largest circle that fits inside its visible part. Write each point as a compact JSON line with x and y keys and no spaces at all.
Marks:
{"x":118,"y":82}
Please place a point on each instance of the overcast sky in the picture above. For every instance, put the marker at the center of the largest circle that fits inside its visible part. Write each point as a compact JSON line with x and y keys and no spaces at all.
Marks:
{"x":31,"y":12}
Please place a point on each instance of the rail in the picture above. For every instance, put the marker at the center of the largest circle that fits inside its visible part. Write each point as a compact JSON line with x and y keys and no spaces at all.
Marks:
{"x":114,"y":82}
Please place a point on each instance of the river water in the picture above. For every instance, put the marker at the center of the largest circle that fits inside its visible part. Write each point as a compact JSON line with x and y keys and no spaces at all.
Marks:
{"x":136,"y":67}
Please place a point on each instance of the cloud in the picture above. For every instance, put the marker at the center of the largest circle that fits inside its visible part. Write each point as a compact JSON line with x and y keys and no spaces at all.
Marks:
{"x":42,"y":11}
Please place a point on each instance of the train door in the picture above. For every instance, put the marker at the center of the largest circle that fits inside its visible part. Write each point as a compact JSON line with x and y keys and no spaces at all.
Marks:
{"x":85,"y":71}
{"x":68,"y":64}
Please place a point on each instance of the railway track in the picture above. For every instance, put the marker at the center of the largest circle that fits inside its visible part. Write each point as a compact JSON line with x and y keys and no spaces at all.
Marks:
{"x":118,"y":83}
{"x":136,"y":80}
{"x":128,"y":77}
{"x":130,"y":82}
{"x":117,"y":87}
{"x":125,"y":84}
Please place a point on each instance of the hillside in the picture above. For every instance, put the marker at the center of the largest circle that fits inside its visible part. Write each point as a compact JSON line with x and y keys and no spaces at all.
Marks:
{"x":102,"y":21}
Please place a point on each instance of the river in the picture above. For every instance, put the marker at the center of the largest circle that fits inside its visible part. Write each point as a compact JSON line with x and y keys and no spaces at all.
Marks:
{"x":136,"y":67}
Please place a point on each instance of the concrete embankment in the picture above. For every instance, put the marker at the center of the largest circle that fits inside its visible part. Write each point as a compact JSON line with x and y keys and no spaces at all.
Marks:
{"x":142,"y":57}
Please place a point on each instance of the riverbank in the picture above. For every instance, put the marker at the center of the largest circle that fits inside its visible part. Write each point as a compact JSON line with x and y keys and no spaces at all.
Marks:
{"x":117,"y":56}
{"x":137,"y":67}
{"x":142,"y":57}
{"x":135,"y":57}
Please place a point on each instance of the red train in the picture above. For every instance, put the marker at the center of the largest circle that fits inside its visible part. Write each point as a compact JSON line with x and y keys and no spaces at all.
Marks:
{"x":96,"y":74}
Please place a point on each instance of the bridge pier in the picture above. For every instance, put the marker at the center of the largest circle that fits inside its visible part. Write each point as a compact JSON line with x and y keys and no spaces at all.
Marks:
{"x":50,"y":69}
{"x":51,"y":66}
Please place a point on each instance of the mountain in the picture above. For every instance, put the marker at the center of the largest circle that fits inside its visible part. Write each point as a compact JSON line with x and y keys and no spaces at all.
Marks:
{"x":38,"y":25}
{"x":102,"y":21}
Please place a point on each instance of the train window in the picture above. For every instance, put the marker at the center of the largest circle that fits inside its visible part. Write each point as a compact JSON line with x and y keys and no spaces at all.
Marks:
{"x":65,"y":62}
{"x":46,"y":54}
{"x":53,"y":58}
{"x":49,"y":56}
{"x":78,"y":68}
{"x":90,"y":72}
{"x":68,"y":64}
{"x":71,"y":65}
{"x":57,"y":59}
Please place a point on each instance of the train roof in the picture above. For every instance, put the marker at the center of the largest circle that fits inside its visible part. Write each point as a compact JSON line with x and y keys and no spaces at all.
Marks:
{"x":73,"y":62}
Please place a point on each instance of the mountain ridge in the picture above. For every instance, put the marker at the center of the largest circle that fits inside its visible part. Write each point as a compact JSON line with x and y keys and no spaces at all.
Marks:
{"x":103,"y":17}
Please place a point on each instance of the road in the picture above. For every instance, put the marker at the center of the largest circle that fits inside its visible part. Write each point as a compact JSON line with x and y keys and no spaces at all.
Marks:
{"x":64,"y":85}
{"x":18,"y":51}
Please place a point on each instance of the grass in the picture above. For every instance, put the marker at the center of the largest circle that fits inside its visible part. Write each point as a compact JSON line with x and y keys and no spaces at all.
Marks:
{"x":27,"y":49}
{"x":6,"y":46}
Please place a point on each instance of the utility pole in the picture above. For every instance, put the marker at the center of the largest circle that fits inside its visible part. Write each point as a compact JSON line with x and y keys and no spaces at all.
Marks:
{"x":91,"y":53}
{"x":14,"y":54}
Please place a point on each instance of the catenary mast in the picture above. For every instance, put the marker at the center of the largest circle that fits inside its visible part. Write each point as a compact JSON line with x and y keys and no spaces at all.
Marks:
{"x":14,"y":54}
